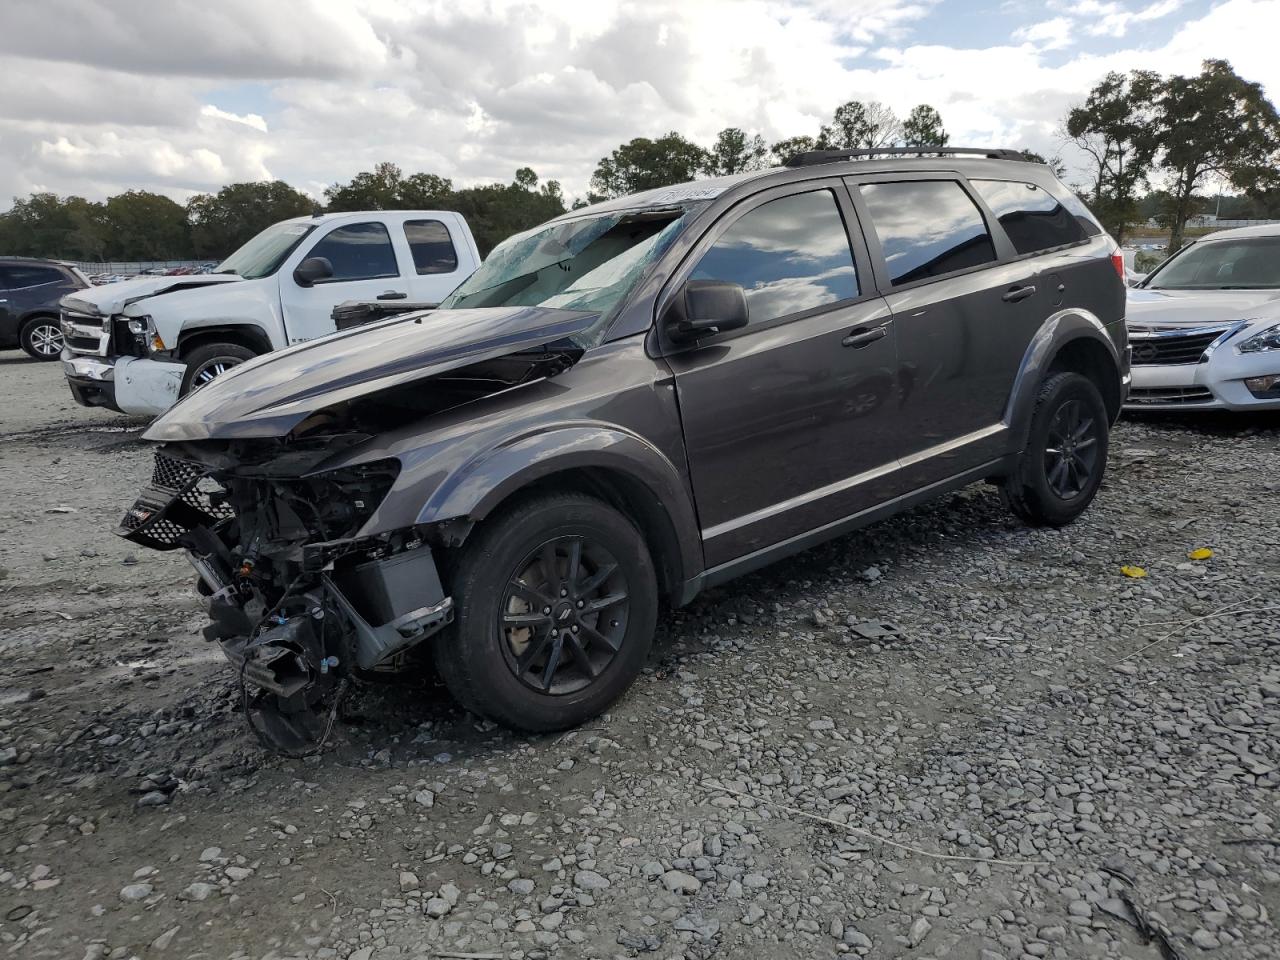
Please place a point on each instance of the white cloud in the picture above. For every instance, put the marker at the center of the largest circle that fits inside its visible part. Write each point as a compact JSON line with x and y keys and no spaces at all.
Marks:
{"x":249,"y":119}
{"x":183,"y":96}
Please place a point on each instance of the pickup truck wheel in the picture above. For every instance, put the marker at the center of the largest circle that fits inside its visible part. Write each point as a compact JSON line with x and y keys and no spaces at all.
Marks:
{"x":1061,"y":467}
{"x":555,"y":602}
{"x":41,"y":338}
{"x":206,"y":362}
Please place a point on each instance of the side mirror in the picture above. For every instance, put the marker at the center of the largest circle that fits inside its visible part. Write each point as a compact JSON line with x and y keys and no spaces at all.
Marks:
{"x":705,"y":307}
{"x":312,"y":270}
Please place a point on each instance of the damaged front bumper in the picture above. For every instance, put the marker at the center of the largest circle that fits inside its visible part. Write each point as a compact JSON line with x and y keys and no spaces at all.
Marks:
{"x":135,"y":385}
{"x":295,"y":609}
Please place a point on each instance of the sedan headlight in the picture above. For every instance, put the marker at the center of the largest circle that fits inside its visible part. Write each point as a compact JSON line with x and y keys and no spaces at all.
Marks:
{"x":1268,"y":339}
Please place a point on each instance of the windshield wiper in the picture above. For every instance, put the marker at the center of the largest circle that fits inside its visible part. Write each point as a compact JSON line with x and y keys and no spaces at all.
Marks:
{"x":232,"y":272}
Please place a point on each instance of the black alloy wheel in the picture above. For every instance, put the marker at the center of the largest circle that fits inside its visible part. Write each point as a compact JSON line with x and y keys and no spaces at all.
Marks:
{"x":555,"y":604}
{"x":564,"y":616}
{"x":1071,"y":455}
{"x":1061,"y":467}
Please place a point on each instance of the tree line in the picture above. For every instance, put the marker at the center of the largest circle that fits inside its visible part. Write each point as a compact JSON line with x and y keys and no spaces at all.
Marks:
{"x":139,"y":225}
{"x":1154,"y":145}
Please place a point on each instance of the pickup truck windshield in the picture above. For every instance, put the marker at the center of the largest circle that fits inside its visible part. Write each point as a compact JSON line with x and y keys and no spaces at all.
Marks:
{"x":263,"y":255}
{"x":1246,"y":264}
{"x":590,"y":263}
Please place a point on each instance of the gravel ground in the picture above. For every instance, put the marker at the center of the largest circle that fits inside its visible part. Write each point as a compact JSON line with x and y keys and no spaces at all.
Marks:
{"x":1036,"y":756}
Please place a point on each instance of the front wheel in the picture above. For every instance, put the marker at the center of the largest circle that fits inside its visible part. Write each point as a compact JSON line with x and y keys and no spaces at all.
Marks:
{"x":205,"y":363}
{"x":555,"y":600}
{"x":41,"y":338}
{"x":1061,"y":468}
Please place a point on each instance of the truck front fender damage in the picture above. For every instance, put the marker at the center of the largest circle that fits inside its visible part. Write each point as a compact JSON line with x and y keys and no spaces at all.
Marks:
{"x":305,"y":591}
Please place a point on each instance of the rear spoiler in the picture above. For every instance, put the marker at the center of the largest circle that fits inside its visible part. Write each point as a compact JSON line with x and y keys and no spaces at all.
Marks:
{"x":356,"y":313}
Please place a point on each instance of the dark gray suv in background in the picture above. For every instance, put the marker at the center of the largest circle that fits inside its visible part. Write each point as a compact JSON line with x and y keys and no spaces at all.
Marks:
{"x":628,"y":404}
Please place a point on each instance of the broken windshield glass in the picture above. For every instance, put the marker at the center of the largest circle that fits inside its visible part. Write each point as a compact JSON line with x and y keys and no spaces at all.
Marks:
{"x":590,"y":263}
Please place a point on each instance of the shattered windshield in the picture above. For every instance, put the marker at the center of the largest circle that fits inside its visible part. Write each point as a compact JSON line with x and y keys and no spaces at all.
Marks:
{"x":586,"y":264}
{"x":263,"y":254}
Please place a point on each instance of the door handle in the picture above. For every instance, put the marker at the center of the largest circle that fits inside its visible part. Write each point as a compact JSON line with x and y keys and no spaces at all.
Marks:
{"x":393,"y":295}
{"x":1014,"y":294}
{"x":862,"y":338}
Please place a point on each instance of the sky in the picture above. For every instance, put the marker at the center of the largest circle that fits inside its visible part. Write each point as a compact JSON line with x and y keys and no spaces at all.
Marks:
{"x":184,"y":96}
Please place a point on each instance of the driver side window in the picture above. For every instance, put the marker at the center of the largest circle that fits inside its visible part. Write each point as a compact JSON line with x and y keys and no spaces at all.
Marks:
{"x":789,"y":255}
{"x":358,"y":251}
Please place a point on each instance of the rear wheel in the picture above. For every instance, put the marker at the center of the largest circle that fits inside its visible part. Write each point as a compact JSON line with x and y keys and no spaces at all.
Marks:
{"x":41,"y":338}
{"x":1061,"y":468}
{"x":207,"y":362}
{"x":555,"y":601}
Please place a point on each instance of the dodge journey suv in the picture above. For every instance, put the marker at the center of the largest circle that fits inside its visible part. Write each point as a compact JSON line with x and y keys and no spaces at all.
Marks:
{"x":628,"y":404}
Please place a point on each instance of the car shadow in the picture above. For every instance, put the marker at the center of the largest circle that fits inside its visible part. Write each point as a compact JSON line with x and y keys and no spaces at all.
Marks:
{"x":1215,"y":423}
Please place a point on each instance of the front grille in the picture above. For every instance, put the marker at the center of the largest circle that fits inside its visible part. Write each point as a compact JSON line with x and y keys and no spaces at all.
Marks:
{"x":179,"y":498}
{"x":170,"y":473}
{"x":1171,"y":395}
{"x":1153,"y":346}
{"x":82,"y":332}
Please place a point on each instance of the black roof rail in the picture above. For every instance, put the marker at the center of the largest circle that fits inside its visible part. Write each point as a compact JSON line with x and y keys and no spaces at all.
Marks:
{"x":811,"y":157}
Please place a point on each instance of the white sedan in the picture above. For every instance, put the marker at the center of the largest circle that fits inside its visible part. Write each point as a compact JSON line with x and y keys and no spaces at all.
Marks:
{"x":1204,"y":326}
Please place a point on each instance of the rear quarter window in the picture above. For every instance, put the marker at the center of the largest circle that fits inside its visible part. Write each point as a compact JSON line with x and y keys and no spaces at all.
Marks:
{"x":431,"y":245}
{"x":1033,"y":218}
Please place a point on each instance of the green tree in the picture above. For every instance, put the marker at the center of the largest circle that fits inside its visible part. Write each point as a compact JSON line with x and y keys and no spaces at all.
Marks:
{"x":860,"y":126}
{"x":1215,"y":125}
{"x":923,"y":128}
{"x":496,"y":211}
{"x":386,"y":188}
{"x":222,"y":221}
{"x":1114,"y":128}
{"x":643,"y":164}
{"x":46,"y":225}
{"x":146,"y":226}
{"x":784,"y":150}
{"x":736,"y":152}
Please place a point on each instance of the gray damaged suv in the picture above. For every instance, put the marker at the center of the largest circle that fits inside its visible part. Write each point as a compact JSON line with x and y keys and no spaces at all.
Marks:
{"x":631,"y":403}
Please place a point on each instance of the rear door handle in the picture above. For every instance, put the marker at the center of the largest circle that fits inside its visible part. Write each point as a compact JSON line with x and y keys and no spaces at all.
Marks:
{"x":393,"y":295}
{"x":862,"y":338}
{"x":1014,"y":294}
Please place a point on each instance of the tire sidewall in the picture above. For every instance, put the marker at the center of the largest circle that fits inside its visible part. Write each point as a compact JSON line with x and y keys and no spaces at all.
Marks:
{"x":480,"y":586}
{"x":1061,"y":389}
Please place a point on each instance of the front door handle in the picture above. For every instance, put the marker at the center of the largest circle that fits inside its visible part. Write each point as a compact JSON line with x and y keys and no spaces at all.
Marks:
{"x":1014,"y":294}
{"x":862,"y":337}
{"x":393,"y":295}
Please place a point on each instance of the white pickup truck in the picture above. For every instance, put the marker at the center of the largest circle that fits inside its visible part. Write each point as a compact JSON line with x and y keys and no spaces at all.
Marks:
{"x":139,"y":345}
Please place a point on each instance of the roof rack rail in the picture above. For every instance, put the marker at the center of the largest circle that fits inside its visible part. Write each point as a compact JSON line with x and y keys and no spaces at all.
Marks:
{"x":811,"y":157}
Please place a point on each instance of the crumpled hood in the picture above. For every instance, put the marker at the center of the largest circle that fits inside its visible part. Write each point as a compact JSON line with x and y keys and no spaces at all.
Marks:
{"x":111,"y":298}
{"x":1198,"y":308}
{"x":271,"y":394}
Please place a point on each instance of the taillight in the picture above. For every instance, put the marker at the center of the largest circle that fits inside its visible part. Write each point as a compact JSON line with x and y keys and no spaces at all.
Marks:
{"x":1117,"y":261}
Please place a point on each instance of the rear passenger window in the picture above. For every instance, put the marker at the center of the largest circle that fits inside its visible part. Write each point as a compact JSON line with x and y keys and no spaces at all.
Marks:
{"x":927,"y":228}
{"x":358,"y":251}
{"x":431,"y":245}
{"x":789,"y":255}
{"x":1032,"y":217}
{"x":19,"y":277}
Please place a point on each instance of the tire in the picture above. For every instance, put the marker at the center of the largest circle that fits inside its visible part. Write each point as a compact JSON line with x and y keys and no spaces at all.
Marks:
{"x":41,"y":338}
{"x":212,"y":359}
{"x":499,"y":586}
{"x":1055,"y":481}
